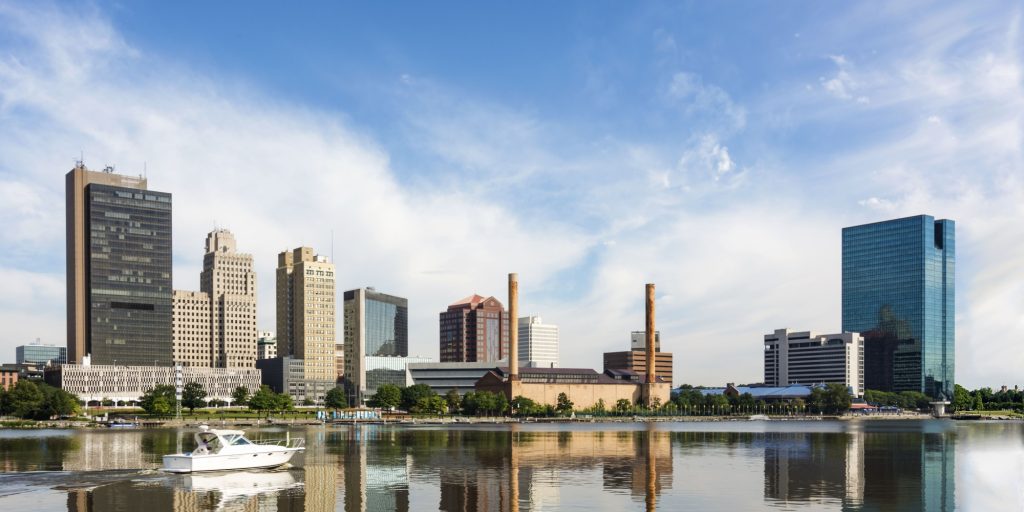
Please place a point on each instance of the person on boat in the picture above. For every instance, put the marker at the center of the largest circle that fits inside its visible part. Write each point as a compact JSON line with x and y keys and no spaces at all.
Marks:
{"x":203,"y":448}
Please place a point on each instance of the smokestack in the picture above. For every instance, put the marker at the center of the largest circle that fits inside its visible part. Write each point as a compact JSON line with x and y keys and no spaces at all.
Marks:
{"x":513,"y":326}
{"x":650,"y":333}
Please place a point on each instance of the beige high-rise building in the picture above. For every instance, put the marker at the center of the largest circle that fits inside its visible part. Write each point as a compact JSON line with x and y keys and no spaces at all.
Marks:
{"x":216,"y":326}
{"x":306,"y":312}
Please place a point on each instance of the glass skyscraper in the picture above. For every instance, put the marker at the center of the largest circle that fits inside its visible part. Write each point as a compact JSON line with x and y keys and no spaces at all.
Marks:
{"x":898,"y":292}
{"x":376,"y":326}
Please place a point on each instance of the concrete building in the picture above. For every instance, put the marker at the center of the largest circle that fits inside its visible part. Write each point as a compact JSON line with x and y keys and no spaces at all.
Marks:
{"x":118,"y":269}
{"x":376,"y":325}
{"x":584,"y":387}
{"x":339,"y":361}
{"x":804,"y":357}
{"x":638,"y":341}
{"x":40,"y":355}
{"x":266,"y":345}
{"x":538,"y":343}
{"x":306,"y":317}
{"x":444,"y":377}
{"x":216,"y":327}
{"x":899,"y":293}
{"x":474,"y":329}
{"x":126,"y":384}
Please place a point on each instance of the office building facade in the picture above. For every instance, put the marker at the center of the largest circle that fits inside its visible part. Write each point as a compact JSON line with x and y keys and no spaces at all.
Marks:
{"x":538,"y":343}
{"x":266,"y":345}
{"x":40,"y":355}
{"x":216,"y":327}
{"x":376,"y":325}
{"x":306,"y":318}
{"x":635,"y":359}
{"x":899,"y":293}
{"x":804,"y":357}
{"x":119,"y":297}
{"x":474,"y":329}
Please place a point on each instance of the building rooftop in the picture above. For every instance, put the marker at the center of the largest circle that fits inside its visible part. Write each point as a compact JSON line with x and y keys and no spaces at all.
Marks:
{"x":472,"y":300}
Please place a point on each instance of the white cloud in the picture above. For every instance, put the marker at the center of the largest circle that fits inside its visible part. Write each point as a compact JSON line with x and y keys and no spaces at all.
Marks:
{"x":699,"y":98}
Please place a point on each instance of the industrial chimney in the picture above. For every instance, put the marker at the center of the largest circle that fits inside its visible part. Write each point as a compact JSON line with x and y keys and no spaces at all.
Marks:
{"x":513,"y":326}
{"x":651,"y":376}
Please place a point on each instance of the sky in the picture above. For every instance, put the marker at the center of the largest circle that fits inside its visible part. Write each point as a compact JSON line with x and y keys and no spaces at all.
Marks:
{"x":715,"y":149}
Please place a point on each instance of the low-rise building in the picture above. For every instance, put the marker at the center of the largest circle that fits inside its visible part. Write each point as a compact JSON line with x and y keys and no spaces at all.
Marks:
{"x":126,"y":384}
{"x":382,"y":370}
{"x":288,"y":375}
{"x":804,"y":357}
{"x":41,"y":355}
{"x":636,"y":360}
{"x":444,"y":377}
{"x":8,"y":377}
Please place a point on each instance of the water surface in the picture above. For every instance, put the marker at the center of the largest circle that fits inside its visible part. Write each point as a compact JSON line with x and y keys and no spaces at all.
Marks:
{"x":812,"y":465}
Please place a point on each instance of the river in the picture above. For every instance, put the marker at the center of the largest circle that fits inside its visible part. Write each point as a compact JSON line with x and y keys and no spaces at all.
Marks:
{"x":725,"y":466}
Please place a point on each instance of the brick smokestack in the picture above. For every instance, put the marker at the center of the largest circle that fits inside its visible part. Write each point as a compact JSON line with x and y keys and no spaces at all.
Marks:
{"x":513,"y":326}
{"x":650,"y":334}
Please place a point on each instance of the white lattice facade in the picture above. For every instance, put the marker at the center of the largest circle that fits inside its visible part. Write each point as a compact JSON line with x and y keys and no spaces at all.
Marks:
{"x":129,"y":383}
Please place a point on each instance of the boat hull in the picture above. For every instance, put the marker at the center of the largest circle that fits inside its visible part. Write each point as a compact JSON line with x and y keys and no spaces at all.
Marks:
{"x":267,"y":458}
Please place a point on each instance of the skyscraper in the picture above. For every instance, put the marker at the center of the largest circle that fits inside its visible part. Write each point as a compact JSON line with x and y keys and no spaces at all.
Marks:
{"x":898,"y":292}
{"x":216,"y":327}
{"x":118,"y":269}
{"x":306,"y":312}
{"x":376,"y":324}
{"x":538,"y":343}
{"x":474,"y":329}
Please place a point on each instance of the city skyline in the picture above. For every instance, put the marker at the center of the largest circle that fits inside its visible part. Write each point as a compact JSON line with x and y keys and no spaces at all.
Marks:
{"x":447,"y":173}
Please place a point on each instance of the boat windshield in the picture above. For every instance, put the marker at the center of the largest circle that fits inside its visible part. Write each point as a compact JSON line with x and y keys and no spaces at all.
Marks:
{"x":236,"y":440}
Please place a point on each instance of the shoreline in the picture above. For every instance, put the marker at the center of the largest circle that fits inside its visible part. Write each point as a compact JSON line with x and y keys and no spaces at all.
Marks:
{"x":459,"y":420}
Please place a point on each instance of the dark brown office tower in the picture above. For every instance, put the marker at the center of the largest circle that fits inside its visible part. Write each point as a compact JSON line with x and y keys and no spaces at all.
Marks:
{"x":474,"y":329}
{"x":118,"y":269}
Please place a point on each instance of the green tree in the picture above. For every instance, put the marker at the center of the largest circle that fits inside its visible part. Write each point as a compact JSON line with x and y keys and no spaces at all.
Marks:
{"x":335,"y":398}
{"x":240,"y":396}
{"x":563,"y":405}
{"x":412,"y":394}
{"x":500,"y":403}
{"x":435,"y":404}
{"x":600,"y":407}
{"x":837,"y":398}
{"x":522,"y":406}
{"x":454,"y":401}
{"x":25,"y":400}
{"x":158,"y":400}
{"x":192,"y":396}
{"x":979,"y":404}
{"x":264,"y":400}
{"x":283,"y":402}
{"x":623,"y":405}
{"x":58,"y":402}
{"x":388,"y":396}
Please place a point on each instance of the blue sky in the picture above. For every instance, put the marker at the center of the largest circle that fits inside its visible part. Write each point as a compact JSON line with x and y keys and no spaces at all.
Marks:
{"x":716,"y":149}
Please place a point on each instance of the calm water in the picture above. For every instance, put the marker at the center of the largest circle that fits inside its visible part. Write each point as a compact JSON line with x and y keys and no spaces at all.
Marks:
{"x":888,"y":465}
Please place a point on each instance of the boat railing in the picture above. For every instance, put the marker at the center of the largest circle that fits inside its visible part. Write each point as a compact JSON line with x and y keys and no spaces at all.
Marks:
{"x":295,"y":442}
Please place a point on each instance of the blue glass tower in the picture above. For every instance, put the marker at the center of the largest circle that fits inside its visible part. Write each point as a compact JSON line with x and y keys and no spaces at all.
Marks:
{"x":898,"y":292}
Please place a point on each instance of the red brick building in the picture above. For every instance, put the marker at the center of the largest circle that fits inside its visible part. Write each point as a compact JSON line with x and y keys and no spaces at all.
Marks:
{"x":474,"y":329}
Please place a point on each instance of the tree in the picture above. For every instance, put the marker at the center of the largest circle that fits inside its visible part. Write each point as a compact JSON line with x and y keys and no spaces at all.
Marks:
{"x":283,"y":402}
{"x":435,"y":404}
{"x":388,"y":396}
{"x":454,"y":401}
{"x":335,"y":398}
{"x":412,"y":394}
{"x":522,"y":406}
{"x":979,"y":405}
{"x":216,"y":402}
{"x":563,"y":404}
{"x":158,"y":400}
{"x":308,"y":402}
{"x":240,"y":396}
{"x":193,"y":396}
{"x":58,"y":402}
{"x":622,"y":405}
{"x":25,"y":399}
{"x":264,"y":400}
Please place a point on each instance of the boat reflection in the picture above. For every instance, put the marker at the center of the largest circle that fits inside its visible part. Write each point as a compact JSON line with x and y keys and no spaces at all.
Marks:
{"x":235,"y":490}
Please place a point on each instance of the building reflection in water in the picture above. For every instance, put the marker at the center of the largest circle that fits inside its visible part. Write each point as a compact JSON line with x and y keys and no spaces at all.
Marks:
{"x":367,"y":468}
{"x":861,"y":470}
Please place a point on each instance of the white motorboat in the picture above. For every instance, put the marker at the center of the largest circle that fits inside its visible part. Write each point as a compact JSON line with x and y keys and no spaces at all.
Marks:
{"x":220,"y":450}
